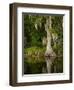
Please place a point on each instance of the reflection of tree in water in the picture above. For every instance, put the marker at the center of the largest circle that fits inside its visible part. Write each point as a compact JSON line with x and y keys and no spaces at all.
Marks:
{"x":43,"y":65}
{"x":57,"y":66}
{"x":49,"y":61}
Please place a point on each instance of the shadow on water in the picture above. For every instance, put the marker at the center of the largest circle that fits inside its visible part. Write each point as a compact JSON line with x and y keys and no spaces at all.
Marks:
{"x":37,"y":65}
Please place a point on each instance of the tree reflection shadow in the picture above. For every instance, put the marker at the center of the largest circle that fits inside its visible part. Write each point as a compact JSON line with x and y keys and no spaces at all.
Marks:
{"x":38,"y":65}
{"x":49,"y":61}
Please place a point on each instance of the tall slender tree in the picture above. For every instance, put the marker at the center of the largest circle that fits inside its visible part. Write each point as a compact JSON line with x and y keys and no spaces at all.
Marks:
{"x":48,"y":26}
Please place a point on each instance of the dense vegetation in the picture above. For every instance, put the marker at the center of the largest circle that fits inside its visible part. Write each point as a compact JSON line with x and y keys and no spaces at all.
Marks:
{"x":34,"y":32}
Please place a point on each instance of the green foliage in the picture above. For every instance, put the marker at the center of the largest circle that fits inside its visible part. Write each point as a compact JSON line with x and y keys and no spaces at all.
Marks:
{"x":34,"y":51}
{"x":57,"y":29}
{"x":34,"y":35}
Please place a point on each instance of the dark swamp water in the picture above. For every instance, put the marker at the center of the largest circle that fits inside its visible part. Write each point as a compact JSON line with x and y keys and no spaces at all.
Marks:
{"x":39,"y":65}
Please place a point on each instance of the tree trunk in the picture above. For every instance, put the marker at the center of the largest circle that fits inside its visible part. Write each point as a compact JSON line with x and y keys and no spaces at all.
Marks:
{"x":49,"y":50}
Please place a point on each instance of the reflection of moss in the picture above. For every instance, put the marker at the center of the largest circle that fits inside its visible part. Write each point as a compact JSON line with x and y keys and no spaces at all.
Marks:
{"x":34,"y":51}
{"x":34,"y":65}
{"x":57,"y":65}
{"x":34,"y":59}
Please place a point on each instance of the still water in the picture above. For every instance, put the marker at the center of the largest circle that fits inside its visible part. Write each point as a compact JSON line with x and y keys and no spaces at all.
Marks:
{"x":37,"y":65}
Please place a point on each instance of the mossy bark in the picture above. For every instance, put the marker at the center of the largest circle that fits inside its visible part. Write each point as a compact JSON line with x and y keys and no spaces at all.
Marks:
{"x":49,"y":51}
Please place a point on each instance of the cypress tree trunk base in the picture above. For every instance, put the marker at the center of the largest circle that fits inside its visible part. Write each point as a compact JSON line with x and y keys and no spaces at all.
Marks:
{"x":49,"y":53}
